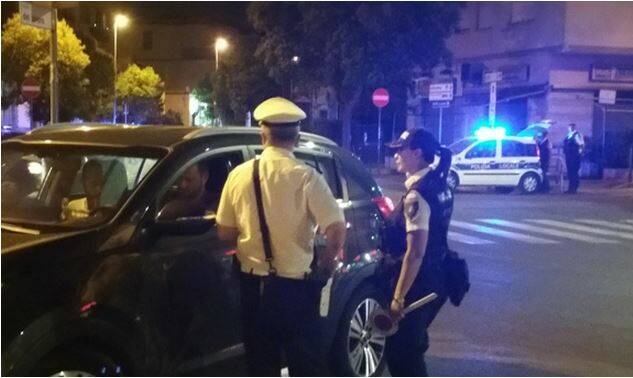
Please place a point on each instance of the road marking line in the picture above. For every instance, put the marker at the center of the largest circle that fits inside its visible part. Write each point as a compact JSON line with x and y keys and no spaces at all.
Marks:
{"x":467,"y":239}
{"x":548,"y":231}
{"x":577,"y":227}
{"x":629,"y":221}
{"x":617,"y":225}
{"x":501,"y":233}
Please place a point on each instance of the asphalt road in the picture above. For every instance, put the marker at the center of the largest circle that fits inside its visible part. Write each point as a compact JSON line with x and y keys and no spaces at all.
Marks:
{"x":552,"y":286}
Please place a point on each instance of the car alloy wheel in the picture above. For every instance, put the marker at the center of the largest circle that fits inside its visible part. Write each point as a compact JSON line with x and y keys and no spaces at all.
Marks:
{"x":72,"y":373}
{"x":452,"y":181}
{"x":529,"y":183}
{"x":364,"y":346}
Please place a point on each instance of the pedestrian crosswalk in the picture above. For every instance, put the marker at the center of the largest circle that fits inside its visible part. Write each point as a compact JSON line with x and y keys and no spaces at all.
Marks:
{"x":484,"y":231}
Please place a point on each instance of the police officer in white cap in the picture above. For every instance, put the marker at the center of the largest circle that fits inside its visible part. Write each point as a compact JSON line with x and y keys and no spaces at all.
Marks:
{"x":275,"y":244}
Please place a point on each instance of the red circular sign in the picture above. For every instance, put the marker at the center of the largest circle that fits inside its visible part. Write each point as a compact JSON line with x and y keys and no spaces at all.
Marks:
{"x":30,"y":88}
{"x":380,"y":98}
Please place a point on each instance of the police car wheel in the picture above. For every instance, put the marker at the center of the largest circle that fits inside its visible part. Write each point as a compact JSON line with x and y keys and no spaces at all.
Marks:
{"x":452,"y":180}
{"x":529,"y":183}
{"x":357,"y":350}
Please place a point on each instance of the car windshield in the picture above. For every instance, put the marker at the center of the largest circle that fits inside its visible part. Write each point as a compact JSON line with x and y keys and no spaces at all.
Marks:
{"x":68,"y":186}
{"x":460,"y":145}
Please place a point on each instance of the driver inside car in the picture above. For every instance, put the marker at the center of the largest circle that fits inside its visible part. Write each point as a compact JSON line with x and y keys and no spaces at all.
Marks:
{"x":93,"y":181}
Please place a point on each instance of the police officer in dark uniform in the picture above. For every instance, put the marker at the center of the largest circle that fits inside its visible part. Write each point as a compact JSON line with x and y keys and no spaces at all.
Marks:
{"x":544,"y":154}
{"x":573,"y":146}
{"x":426,"y":210}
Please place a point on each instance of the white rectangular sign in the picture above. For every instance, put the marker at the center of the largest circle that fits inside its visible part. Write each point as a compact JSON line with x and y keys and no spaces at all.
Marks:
{"x":492,"y":108}
{"x":607,"y":96}
{"x":491,"y":77}
{"x":441,"y":92}
{"x":33,"y":15}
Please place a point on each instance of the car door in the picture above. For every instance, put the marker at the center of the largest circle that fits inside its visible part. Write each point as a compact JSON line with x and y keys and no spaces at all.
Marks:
{"x":194,"y":286}
{"x":479,"y":164}
{"x":515,"y":158}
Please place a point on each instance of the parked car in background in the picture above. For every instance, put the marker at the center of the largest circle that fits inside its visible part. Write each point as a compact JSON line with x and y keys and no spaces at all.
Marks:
{"x":504,"y":162}
{"x":121,"y":292}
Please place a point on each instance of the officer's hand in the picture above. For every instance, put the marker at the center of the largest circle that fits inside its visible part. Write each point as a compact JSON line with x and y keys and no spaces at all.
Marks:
{"x":396,"y":310}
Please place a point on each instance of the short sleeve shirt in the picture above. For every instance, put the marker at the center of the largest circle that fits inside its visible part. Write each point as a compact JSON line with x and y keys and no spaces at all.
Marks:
{"x":417,"y":212}
{"x":296,"y":200}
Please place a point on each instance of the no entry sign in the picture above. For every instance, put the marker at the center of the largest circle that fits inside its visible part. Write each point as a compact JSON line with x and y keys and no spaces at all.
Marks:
{"x":380,"y":98}
{"x":30,"y":88}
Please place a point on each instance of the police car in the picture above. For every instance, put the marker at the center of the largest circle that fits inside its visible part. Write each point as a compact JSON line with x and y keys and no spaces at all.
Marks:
{"x":504,"y":162}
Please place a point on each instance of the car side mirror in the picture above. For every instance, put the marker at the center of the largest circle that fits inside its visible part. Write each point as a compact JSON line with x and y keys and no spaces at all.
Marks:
{"x":187,"y":226}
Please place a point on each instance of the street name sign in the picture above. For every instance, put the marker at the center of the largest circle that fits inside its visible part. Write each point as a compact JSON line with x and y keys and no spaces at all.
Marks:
{"x":607,"y":96}
{"x":490,"y":77}
{"x":441,"y":92}
{"x":34,"y":15}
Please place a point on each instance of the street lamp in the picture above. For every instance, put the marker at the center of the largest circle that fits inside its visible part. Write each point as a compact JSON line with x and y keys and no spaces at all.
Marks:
{"x":120,"y":21}
{"x":221,"y":44}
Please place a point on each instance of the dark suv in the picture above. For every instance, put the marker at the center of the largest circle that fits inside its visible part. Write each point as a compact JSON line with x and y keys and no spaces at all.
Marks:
{"x":121,"y":291}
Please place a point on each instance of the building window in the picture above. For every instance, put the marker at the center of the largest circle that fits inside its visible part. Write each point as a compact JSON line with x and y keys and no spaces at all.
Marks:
{"x":148,"y":40}
{"x":486,"y":13}
{"x":522,"y":11}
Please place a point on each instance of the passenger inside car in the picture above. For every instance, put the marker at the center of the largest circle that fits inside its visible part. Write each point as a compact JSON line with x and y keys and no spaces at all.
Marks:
{"x":93,"y":180}
{"x":191,"y":199}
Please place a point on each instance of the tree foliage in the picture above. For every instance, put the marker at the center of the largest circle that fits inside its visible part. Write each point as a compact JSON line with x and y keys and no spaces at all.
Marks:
{"x":141,"y":89}
{"x":353,"y":47}
{"x":26,"y":53}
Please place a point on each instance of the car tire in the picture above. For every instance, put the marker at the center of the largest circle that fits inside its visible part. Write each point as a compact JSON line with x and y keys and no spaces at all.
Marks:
{"x":357,"y":351}
{"x":529,"y":183}
{"x":452,"y":180}
{"x":80,"y":361}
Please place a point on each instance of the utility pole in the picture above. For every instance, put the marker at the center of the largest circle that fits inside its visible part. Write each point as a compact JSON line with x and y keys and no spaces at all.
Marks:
{"x":54,"y":78}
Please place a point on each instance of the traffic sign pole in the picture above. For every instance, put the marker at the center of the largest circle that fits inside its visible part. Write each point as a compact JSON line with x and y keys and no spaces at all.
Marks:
{"x":440,"y":131}
{"x":492,"y":106}
{"x":380,"y":98}
{"x":379,"y":134}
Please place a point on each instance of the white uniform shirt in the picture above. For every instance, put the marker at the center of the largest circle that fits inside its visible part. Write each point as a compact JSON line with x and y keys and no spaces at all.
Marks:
{"x":417,"y":212}
{"x":296,"y":199}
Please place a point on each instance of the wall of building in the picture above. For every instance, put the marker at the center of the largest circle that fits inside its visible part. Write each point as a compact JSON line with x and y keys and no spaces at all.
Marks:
{"x":603,"y":24}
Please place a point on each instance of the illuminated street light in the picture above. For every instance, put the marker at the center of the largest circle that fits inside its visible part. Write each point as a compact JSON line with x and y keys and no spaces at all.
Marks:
{"x":120,"y":21}
{"x":221,"y":44}
{"x":295,"y":59}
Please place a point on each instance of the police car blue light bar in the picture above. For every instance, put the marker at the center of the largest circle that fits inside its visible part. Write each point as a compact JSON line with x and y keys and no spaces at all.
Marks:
{"x":490,"y":133}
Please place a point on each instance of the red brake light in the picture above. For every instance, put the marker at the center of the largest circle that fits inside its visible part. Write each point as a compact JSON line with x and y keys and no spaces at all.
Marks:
{"x":385,"y":205}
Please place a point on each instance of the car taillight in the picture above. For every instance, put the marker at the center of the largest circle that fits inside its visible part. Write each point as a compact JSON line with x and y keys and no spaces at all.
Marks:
{"x":385,"y":205}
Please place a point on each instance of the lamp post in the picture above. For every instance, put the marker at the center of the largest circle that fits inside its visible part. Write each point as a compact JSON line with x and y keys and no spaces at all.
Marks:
{"x":120,"y":21}
{"x":221,"y":44}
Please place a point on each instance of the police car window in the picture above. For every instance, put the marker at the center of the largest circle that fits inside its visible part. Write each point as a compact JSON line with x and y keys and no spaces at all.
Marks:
{"x":486,"y":149}
{"x":512,"y":148}
{"x":308,"y":159}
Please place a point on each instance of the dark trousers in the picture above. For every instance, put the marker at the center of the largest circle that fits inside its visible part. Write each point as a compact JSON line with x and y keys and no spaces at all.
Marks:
{"x":281,"y":316}
{"x":573,"y":167}
{"x":545,"y":168}
{"x":405,"y":350}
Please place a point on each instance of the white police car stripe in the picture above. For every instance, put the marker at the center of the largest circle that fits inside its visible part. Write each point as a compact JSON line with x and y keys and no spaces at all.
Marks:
{"x":577,"y":227}
{"x":467,"y":239}
{"x":502,"y":233}
{"x":548,"y":231}
{"x":595,"y":222}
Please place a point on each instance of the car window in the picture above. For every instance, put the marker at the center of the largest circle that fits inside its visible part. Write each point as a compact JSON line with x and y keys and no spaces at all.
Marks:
{"x":485,"y":149}
{"x":197,"y":190}
{"x":460,"y":145}
{"x":328,"y":167}
{"x":513,"y":148}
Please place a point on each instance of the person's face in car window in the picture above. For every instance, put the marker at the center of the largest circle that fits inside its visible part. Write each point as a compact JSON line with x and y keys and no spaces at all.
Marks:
{"x":192,"y":182}
{"x":93,"y":180}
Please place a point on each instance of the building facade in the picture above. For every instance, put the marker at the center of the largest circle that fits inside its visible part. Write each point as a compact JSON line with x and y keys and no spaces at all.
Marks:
{"x":554,"y":58}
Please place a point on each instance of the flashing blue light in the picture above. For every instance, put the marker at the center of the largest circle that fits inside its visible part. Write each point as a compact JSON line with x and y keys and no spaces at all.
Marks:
{"x":490,"y":133}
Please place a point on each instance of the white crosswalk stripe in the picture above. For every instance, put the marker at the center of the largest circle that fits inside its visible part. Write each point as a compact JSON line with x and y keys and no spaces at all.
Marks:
{"x":629,"y":221}
{"x":617,"y":225}
{"x":467,"y":239}
{"x":502,"y":233}
{"x":577,"y":227}
{"x":549,"y":231}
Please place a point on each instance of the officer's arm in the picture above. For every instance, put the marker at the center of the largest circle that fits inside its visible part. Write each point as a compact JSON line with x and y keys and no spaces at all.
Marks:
{"x":416,"y":246}
{"x":228,"y":234}
{"x":335,"y":235}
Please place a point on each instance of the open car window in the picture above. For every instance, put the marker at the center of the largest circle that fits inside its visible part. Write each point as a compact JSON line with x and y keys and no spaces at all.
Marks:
{"x":74,"y":187}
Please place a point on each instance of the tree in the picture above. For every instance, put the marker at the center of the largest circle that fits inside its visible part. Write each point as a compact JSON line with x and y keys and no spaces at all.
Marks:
{"x":353,"y":47}
{"x":141,"y":89}
{"x":203,"y":93}
{"x":25,"y":53}
{"x":242,"y":81}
